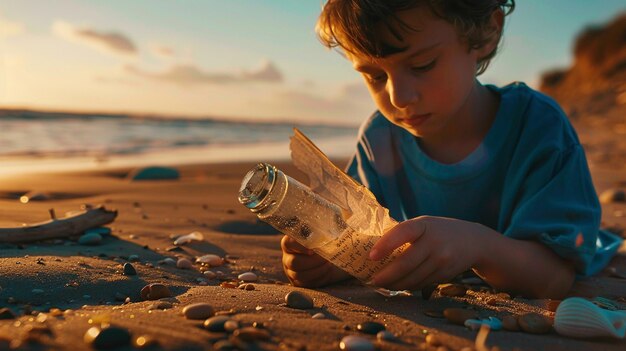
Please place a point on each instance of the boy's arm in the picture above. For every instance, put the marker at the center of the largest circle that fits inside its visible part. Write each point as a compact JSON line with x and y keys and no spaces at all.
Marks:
{"x":441,"y":248}
{"x":523,"y":266}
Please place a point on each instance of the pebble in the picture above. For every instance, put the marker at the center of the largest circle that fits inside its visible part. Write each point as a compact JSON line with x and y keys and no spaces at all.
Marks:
{"x":210,"y":275}
{"x":248,"y":277}
{"x":613,"y":195}
{"x":119,"y":296}
{"x":453,"y":290}
{"x":155,"y":291}
{"x":129,"y":269}
{"x":386,"y":335}
{"x":168,"y":261}
{"x":299,"y":300}
{"x":107,"y":338}
{"x":91,"y":239}
{"x":433,"y":340}
{"x":534,"y":323}
{"x":319,"y":315}
{"x":211,"y":260}
{"x":459,"y":315}
{"x":356,"y":343}
{"x":370,"y":327}
{"x":231,"y":325}
{"x":510,"y":323}
{"x":228,"y":285}
{"x":217,"y":323}
{"x":252,"y":334}
{"x":161,"y":305}
{"x":201,"y":310}
{"x":145,"y":342}
{"x":133,"y":258}
{"x":248,"y":287}
{"x":184,"y":263}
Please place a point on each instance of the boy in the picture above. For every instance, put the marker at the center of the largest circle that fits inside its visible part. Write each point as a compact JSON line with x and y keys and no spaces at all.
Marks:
{"x":483,"y":178}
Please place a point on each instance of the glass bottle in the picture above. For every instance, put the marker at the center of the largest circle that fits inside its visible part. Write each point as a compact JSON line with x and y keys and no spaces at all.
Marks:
{"x":314,"y":222}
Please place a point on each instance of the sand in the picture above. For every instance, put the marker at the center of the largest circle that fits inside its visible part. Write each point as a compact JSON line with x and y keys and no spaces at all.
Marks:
{"x":84,"y":280}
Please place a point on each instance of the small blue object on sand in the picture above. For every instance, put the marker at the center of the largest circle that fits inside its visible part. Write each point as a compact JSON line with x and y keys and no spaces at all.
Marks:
{"x":154,"y":173}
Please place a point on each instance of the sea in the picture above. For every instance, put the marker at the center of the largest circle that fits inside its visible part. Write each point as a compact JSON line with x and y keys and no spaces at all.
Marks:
{"x":39,"y":141}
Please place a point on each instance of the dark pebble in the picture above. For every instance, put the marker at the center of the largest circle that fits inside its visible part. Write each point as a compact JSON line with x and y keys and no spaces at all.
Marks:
{"x":107,"y":338}
{"x":299,"y":300}
{"x":370,"y":327}
{"x":129,"y":269}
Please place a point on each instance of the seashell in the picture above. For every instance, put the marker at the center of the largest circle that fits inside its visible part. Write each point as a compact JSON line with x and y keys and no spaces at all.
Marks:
{"x":580,"y":318}
{"x":185,"y":239}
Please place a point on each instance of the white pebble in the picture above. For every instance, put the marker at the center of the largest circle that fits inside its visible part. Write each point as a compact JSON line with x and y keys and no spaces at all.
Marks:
{"x":356,"y":343}
{"x":211,"y":260}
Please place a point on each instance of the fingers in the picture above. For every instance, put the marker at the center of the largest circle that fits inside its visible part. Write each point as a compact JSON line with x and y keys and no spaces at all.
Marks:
{"x":405,"y":265}
{"x":289,"y":245}
{"x":416,"y":279}
{"x":405,"y":232}
{"x":312,"y":278}
{"x":300,"y":262}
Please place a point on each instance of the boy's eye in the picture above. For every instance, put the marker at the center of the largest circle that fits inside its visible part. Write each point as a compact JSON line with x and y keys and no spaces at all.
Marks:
{"x":375,"y":78}
{"x":424,"y":68}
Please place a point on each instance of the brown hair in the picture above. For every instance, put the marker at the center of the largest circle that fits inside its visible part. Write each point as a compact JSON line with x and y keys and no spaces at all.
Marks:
{"x":351,"y":24}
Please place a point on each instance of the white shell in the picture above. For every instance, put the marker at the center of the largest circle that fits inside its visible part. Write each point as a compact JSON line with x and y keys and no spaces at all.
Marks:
{"x":182,"y":240}
{"x":580,"y":318}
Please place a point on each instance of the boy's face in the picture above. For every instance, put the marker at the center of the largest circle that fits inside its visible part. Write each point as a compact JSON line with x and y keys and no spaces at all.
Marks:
{"x":427,"y":87}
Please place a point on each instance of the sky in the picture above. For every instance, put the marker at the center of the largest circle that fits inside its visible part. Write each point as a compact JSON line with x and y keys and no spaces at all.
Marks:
{"x":242,"y":59}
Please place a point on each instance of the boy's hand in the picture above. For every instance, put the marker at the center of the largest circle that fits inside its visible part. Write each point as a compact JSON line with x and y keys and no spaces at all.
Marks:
{"x":440,"y":248}
{"x":305,"y":268}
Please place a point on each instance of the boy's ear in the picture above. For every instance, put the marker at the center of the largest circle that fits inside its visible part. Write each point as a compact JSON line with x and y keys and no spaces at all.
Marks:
{"x":493,"y":31}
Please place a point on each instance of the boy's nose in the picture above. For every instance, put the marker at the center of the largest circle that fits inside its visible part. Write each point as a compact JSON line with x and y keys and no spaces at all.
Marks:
{"x":402,"y":92}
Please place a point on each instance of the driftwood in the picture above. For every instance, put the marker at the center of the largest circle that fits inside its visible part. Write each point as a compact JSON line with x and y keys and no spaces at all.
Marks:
{"x":58,"y":228}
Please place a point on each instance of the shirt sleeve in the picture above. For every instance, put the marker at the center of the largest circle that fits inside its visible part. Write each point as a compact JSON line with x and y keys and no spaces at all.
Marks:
{"x":556,"y":204}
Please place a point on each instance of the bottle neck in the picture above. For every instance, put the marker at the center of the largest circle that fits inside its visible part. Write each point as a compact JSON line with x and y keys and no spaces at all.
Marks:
{"x":256,"y":187}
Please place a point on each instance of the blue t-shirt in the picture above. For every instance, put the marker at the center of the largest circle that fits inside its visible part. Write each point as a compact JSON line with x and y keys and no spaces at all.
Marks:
{"x":528,"y":179}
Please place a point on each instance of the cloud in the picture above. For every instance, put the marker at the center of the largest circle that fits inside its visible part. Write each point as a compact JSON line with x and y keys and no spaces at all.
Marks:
{"x":191,"y":74}
{"x":266,"y":72}
{"x":10,"y":28}
{"x":110,"y":42}
{"x":163,"y":51}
